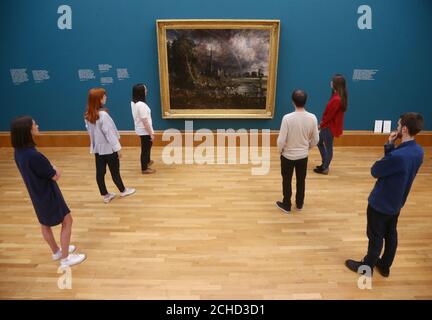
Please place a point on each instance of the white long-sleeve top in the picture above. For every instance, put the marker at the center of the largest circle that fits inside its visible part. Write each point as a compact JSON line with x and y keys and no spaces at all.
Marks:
{"x":140,"y":111}
{"x":298,"y":134}
{"x":104,"y":136}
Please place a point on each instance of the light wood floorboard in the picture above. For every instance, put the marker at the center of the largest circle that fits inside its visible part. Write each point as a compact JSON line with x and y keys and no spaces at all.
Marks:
{"x":212,"y":232}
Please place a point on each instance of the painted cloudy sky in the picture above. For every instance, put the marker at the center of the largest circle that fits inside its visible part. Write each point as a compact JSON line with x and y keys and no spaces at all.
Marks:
{"x":238,"y":50}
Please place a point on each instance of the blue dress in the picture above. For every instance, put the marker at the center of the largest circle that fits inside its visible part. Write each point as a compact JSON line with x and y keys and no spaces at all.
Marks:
{"x":37,"y":173}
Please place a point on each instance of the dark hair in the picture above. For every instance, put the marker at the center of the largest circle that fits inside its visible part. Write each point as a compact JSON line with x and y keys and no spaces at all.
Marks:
{"x":413,"y":121}
{"x":299,"y":98}
{"x":339,"y":86}
{"x":20,"y":130}
{"x":139,"y":93}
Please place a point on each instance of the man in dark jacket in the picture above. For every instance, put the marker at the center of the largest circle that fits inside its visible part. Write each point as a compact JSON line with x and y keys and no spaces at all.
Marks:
{"x":395,"y":173}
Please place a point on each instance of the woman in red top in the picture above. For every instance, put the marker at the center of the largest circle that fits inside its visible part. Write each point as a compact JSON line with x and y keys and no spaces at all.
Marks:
{"x":332,"y":122}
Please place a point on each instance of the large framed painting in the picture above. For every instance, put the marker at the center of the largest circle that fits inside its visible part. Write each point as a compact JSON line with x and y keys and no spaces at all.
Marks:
{"x":218,"y":68}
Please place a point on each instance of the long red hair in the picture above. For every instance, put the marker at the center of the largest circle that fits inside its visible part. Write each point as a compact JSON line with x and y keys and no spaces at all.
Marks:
{"x":94,"y":104}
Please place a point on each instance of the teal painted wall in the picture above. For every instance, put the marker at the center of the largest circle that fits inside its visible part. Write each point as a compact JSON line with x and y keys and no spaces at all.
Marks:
{"x":317,"y":39}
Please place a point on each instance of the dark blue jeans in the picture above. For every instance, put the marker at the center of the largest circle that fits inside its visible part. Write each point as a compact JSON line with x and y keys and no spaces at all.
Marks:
{"x":325,"y":146}
{"x":381,"y":227}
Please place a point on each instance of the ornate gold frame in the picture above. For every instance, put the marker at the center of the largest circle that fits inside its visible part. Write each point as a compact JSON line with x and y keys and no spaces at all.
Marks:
{"x":169,"y":113}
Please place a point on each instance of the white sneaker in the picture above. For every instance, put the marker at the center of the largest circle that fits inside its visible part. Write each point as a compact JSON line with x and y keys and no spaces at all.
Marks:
{"x":108,"y":197}
{"x":58,"y":254}
{"x":72,"y":259}
{"x":128,"y":191}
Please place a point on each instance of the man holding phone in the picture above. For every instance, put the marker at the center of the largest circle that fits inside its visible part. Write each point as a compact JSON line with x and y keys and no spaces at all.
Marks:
{"x":395,"y":173}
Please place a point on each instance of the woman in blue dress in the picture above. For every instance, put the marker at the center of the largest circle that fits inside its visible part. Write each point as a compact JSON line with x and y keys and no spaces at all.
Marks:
{"x":40,"y":178}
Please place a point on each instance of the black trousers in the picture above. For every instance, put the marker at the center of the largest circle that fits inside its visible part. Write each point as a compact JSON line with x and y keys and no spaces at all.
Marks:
{"x":113,"y":163}
{"x":287,"y":169}
{"x":381,"y":227}
{"x":146,"y":144}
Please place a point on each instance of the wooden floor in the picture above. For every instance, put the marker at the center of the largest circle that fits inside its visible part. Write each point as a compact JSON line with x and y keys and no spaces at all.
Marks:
{"x":212,"y":232}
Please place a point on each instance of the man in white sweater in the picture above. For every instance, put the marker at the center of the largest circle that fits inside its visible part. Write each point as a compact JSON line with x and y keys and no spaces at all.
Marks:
{"x":298,"y":134}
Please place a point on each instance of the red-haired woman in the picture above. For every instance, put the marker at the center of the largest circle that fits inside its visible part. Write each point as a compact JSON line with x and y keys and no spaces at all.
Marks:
{"x":104,"y":143}
{"x":332,"y":122}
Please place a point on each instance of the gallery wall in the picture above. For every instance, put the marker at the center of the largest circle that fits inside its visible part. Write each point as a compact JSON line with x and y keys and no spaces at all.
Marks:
{"x":49,"y":61}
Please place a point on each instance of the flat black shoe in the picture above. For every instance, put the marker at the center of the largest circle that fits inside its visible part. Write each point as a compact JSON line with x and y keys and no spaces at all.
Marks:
{"x":385,"y":272}
{"x":282,"y":207}
{"x":321,"y":171}
{"x":355,"y":265}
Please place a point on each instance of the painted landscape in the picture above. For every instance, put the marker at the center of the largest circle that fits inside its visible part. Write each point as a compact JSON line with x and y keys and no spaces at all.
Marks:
{"x":218,"y":68}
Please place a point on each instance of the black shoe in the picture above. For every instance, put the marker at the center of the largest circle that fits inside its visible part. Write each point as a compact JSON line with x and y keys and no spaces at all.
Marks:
{"x":319,"y":167}
{"x":355,"y":265}
{"x":299,"y":208}
{"x":385,"y":272}
{"x":283,"y":207}
{"x":321,"y":171}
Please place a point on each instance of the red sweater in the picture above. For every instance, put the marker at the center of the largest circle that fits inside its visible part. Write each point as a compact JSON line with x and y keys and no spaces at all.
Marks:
{"x":333,"y":116}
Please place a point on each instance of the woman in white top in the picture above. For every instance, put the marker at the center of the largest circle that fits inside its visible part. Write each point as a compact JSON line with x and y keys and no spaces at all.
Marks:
{"x":143,"y":125}
{"x":104,"y":143}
